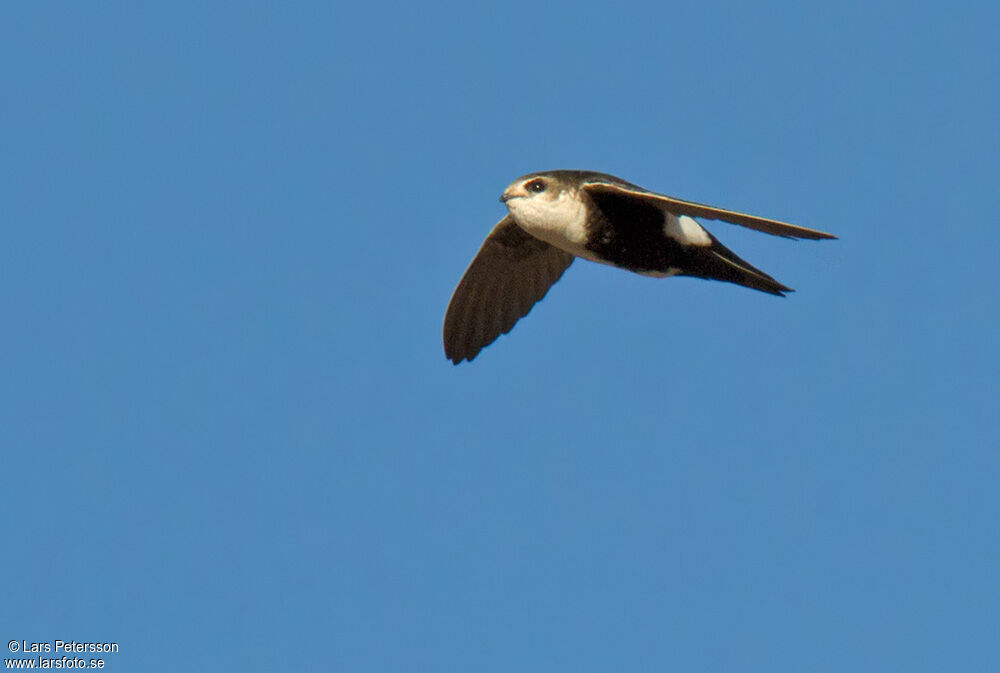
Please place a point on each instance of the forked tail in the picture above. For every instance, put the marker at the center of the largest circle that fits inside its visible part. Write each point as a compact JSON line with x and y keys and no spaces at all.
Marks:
{"x":717,"y":262}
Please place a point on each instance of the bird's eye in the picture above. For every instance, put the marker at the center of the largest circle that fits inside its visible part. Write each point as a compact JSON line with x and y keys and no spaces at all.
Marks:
{"x":535,"y":186}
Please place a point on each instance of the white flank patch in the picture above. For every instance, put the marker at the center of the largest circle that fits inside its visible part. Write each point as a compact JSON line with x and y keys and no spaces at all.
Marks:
{"x":671,"y":271}
{"x":685,"y":230}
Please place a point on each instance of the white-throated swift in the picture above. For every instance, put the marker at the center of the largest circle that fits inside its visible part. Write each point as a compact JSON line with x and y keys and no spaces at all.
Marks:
{"x":556,"y":216}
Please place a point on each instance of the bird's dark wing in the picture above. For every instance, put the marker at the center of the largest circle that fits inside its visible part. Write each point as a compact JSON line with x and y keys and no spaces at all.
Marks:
{"x":679,"y":207}
{"x":511,"y":272}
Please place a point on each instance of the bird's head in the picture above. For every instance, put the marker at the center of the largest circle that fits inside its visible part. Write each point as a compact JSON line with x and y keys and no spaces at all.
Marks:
{"x":539,"y":198}
{"x":533,"y":186}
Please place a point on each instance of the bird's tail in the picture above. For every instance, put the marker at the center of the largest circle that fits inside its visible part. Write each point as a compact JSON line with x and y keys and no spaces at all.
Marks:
{"x":717,"y":262}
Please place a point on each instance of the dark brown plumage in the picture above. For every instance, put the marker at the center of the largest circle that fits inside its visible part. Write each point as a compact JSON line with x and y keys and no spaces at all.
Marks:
{"x":555,"y":216}
{"x":511,"y":272}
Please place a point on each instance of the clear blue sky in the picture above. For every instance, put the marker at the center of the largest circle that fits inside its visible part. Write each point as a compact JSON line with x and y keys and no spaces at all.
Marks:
{"x":231,"y":440}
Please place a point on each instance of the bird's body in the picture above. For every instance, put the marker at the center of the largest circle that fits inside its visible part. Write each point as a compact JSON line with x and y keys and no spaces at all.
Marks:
{"x":556,"y":216}
{"x":572,"y":222}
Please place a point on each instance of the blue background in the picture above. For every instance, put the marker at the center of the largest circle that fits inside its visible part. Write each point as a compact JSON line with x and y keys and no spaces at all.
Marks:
{"x":231,"y":440}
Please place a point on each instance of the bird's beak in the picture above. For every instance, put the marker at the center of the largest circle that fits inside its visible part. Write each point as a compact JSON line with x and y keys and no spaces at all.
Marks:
{"x":512,"y":192}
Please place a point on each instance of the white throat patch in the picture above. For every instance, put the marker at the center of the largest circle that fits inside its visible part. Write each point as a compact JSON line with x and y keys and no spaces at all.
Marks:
{"x":560,"y":221}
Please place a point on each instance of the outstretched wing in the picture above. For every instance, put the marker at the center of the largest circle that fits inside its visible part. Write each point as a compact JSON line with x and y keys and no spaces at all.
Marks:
{"x":511,"y":272}
{"x":679,"y":207}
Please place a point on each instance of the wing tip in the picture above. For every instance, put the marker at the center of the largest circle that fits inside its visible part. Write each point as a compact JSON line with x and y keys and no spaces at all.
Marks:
{"x":458,"y":358}
{"x":817,"y":235}
{"x":457,"y":353}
